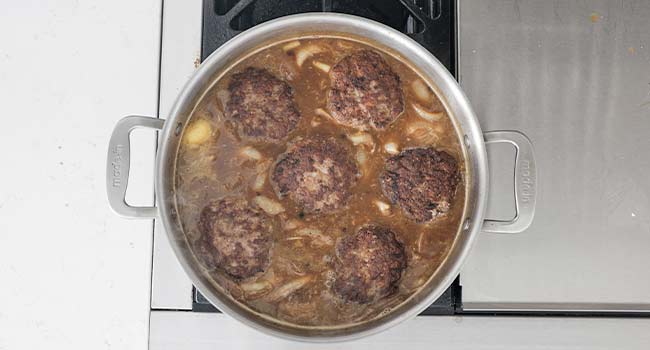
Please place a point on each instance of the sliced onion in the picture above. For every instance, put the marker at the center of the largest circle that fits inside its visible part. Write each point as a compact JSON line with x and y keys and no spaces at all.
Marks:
{"x":427,"y":247}
{"x":254,"y":290}
{"x":269,"y":206}
{"x":419,"y":243}
{"x":361,"y":138}
{"x":251,"y":153}
{"x":421,"y":90}
{"x":306,"y":52}
{"x":423,"y":132}
{"x":344,"y":44}
{"x":384,"y":208}
{"x":316,"y":236}
{"x":391,"y":148}
{"x":288,"y":264}
{"x":427,"y":115}
{"x":321,"y":112}
{"x":260,"y":180}
{"x":288,"y":289}
{"x":291,"y":224}
{"x":290,"y":46}
{"x":322,"y":66}
{"x":361,"y":157}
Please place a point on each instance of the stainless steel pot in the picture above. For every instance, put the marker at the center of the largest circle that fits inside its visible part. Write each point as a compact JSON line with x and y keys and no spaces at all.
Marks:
{"x":451,"y":95}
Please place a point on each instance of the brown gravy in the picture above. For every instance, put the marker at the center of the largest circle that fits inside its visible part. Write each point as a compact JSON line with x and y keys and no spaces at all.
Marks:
{"x":214,"y":168}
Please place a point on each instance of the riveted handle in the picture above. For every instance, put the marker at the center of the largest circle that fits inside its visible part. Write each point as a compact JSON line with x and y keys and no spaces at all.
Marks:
{"x":525,"y":173}
{"x":118,"y":164}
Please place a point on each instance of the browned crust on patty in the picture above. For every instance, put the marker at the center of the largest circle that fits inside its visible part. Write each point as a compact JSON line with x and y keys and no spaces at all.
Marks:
{"x":317,"y":174}
{"x":364,"y":91}
{"x":369,"y":264}
{"x":422,"y":182}
{"x":237,"y":237}
{"x":261,"y":105}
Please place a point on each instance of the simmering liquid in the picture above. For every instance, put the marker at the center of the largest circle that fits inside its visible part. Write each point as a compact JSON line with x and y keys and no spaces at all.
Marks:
{"x":215,"y":162}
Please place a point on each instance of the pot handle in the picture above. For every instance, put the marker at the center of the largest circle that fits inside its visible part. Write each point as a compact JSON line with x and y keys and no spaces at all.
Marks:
{"x":118,"y":164}
{"x":525,"y":182}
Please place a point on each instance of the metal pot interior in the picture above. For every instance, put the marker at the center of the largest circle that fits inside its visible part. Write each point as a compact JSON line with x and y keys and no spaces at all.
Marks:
{"x":400,"y":46}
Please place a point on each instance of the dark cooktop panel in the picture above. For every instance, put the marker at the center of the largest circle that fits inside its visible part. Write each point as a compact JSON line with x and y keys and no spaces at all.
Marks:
{"x":429,"y":22}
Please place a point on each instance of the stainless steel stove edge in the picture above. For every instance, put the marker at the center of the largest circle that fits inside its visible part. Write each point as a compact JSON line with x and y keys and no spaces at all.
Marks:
{"x":560,"y":308}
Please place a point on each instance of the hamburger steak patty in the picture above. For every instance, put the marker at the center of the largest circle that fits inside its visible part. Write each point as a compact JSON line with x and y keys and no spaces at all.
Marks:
{"x":237,"y":235}
{"x":364,"y":91}
{"x":317,"y":174}
{"x":369,"y":265}
{"x":261,"y":105}
{"x":421,"y":181}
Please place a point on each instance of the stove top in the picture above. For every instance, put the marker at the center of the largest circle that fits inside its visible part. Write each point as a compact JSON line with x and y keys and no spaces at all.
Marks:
{"x":572,"y":76}
{"x":429,"y":22}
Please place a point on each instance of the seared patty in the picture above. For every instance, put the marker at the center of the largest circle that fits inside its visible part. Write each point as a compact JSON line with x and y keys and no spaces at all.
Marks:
{"x":421,"y":181}
{"x":369,"y":265}
{"x":317,"y":174}
{"x":364,"y":91}
{"x":261,"y":105}
{"x":237,"y":236}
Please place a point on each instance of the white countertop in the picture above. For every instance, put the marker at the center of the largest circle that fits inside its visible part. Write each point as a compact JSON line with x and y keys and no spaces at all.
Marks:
{"x":74,"y":275}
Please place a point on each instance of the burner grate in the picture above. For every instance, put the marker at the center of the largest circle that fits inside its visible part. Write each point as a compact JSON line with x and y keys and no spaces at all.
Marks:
{"x":429,"y":22}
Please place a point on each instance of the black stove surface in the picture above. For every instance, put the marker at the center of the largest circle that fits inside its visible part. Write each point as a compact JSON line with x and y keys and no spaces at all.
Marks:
{"x":429,"y":22}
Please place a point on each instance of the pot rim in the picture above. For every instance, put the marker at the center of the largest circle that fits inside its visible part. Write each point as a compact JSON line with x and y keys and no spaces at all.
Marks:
{"x":456,"y":101}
